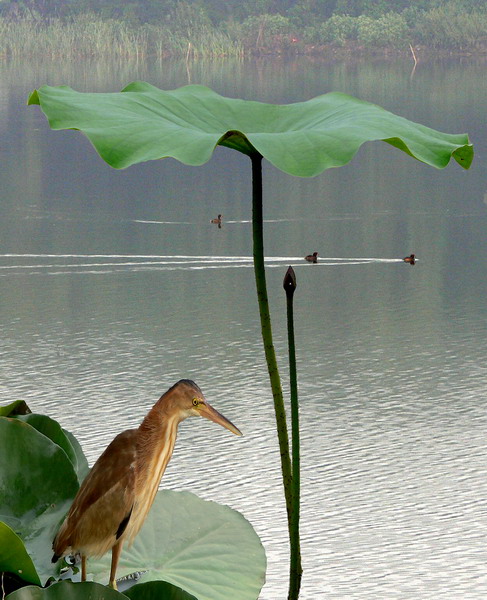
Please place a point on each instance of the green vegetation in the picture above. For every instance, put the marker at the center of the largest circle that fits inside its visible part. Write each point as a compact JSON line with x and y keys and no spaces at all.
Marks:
{"x":91,"y":36}
{"x":210,"y":28}
{"x":39,"y":477}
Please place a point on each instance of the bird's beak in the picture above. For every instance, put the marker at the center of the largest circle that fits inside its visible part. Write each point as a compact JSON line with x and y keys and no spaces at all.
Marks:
{"x":206,"y":410}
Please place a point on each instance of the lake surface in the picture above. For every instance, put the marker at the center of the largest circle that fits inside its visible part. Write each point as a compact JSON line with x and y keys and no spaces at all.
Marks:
{"x":114,"y":285}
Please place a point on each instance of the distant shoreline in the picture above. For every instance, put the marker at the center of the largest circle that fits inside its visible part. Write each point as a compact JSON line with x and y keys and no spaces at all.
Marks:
{"x":88,"y":36}
{"x":354,"y":51}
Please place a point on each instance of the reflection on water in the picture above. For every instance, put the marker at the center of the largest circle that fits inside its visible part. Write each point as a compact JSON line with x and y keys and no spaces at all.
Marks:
{"x":111,"y":292}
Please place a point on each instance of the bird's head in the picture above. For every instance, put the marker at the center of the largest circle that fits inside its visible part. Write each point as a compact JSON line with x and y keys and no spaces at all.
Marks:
{"x":188,"y":399}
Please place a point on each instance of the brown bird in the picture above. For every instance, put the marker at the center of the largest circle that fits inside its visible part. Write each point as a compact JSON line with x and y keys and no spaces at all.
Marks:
{"x":218,"y":220}
{"x":312,"y":257}
{"x":114,"y":499}
{"x":410,"y":259}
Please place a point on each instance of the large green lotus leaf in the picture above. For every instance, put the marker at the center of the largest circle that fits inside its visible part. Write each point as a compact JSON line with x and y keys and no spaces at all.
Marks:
{"x":14,"y":557}
{"x":157,"y":590}
{"x":18,"y":407}
{"x":37,"y":484}
{"x":144,"y":123}
{"x":207,"y":549}
{"x":51,"y":428}
{"x":65,"y":590}
{"x":82,"y":468}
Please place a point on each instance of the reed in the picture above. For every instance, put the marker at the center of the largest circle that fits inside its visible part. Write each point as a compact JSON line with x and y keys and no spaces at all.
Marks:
{"x":88,"y":36}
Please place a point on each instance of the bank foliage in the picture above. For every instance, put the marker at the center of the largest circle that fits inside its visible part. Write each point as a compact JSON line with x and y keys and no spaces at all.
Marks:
{"x":161,"y":28}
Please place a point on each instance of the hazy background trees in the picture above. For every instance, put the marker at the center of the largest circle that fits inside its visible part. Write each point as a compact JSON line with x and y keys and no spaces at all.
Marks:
{"x":266,"y":26}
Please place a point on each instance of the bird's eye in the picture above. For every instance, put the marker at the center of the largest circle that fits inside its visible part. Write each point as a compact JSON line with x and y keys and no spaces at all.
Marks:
{"x":195,"y":401}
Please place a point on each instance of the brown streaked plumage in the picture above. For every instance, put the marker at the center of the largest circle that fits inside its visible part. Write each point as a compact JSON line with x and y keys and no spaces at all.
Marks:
{"x":114,"y":499}
{"x":411,"y":259}
{"x":312,"y":257}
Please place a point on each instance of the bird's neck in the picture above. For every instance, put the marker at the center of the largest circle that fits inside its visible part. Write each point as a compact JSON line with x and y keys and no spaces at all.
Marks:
{"x":155,"y":444}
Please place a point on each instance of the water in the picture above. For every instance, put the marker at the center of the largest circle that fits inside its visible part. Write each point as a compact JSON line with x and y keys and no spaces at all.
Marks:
{"x":114,"y":285}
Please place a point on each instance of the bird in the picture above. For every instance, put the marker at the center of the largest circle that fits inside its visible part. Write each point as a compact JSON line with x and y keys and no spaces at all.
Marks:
{"x":218,"y":220}
{"x":410,"y":259}
{"x":312,"y":257}
{"x":114,"y":499}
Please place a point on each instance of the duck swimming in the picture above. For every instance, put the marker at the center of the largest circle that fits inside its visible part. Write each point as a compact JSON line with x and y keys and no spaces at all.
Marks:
{"x":312,"y":257}
{"x":410,"y":259}
{"x":218,"y":220}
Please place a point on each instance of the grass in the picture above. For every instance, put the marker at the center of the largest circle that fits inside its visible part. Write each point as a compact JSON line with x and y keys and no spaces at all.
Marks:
{"x":89,"y":36}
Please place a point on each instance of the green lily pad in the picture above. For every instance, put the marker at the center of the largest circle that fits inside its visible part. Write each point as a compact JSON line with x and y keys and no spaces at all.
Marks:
{"x":14,"y":557}
{"x":18,"y":407}
{"x":65,"y":590}
{"x":81,"y":467}
{"x":205,"y":548}
{"x":38,"y":482}
{"x":51,"y":428}
{"x":157,"y":590}
{"x":143,"y":123}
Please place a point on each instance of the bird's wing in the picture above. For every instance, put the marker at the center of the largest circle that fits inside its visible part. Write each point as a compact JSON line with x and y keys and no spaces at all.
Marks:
{"x":115,"y":468}
{"x":103,"y":504}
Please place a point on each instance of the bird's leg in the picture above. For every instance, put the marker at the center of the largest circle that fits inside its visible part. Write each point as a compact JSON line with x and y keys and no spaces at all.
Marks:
{"x":83,"y":567}
{"x":116,"y":551}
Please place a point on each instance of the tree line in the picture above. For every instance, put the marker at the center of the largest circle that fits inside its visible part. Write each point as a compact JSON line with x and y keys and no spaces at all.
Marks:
{"x":299,"y":12}
{"x":271,"y":26}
